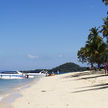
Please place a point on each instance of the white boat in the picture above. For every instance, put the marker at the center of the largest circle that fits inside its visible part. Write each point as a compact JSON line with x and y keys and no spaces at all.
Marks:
{"x":17,"y":75}
{"x":20,"y":75}
{"x":34,"y":74}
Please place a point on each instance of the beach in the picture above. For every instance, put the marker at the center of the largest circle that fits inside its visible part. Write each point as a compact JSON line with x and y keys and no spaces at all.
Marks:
{"x":71,"y":90}
{"x":10,"y":89}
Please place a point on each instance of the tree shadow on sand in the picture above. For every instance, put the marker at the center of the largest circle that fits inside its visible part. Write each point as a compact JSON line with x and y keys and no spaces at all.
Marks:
{"x":92,"y":88}
{"x":78,"y":74}
{"x":91,"y":77}
{"x":84,"y":74}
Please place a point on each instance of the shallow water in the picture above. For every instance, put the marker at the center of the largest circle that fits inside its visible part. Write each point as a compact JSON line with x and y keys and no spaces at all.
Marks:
{"x":8,"y":86}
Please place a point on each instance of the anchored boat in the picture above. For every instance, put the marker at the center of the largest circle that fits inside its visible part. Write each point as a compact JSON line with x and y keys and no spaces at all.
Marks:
{"x":36,"y":74}
{"x":14,"y":75}
{"x":20,"y":75}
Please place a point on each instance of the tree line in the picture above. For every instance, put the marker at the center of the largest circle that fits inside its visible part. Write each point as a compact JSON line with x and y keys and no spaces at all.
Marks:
{"x":95,"y":50}
{"x":68,"y":67}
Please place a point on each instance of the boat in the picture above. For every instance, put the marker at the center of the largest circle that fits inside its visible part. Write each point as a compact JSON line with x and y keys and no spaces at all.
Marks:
{"x":52,"y":74}
{"x":36,"y":74}
{"x":14,"y":75}
{"x":20,"y":75}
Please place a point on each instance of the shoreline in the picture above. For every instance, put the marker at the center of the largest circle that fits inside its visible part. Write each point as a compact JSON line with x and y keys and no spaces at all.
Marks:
{"x":77,"y":89}
{"x":9,"y":97}
{"x":66,"y":91}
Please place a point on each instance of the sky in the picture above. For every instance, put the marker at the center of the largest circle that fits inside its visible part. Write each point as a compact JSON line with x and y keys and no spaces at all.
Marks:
{"x":45,"y":33}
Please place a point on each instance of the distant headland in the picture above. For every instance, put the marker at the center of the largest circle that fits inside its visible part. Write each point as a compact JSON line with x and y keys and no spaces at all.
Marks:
{"x":66,"y":67}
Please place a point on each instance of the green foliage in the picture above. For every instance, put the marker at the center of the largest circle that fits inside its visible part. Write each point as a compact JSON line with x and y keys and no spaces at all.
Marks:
{"x":105,"y":28}
{"x":94,"y":50}
{"x":68,"y":67}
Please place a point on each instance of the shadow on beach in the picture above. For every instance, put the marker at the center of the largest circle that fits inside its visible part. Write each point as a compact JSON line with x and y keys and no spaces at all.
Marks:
{"x":92,"y":88}
{"x":77,"y":74}
{"x":98,"y":76}
{"x":85,"y":76}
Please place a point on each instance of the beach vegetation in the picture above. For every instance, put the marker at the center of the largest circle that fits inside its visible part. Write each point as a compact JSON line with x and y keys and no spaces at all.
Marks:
{"x":104,"y":29}
{"x":95,"y":49}
{"x":68,"y":67}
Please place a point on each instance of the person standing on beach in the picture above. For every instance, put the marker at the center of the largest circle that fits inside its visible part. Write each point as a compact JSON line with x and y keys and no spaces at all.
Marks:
{"x":106,"y":67}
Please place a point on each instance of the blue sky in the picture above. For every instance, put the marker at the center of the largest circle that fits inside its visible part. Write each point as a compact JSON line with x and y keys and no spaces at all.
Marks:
{"x":45,"y":33}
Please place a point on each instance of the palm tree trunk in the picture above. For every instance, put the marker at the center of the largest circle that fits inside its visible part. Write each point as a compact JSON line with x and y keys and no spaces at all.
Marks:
{"x":99,"y":67}
{"x":92,"y":66}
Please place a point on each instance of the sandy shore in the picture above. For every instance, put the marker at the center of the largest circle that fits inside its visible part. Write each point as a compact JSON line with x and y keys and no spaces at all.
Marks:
{"x":72,"y":90}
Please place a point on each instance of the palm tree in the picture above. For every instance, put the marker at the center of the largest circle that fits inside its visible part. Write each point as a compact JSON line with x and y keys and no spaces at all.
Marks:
{"x":94,"y":50}
{"x":82,"y":55}
{"x":85,"y":54}
{"x":97,"y":45}
{"x":105,"y":28}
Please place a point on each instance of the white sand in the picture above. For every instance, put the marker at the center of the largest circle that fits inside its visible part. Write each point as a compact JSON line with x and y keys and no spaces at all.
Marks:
{"x":65,"y":91}
{"x":5,"y":105}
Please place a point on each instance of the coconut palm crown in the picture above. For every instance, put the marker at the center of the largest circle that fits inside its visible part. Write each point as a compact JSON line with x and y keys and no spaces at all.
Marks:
{"x":105,"y":28}
{"x":95,"y":49}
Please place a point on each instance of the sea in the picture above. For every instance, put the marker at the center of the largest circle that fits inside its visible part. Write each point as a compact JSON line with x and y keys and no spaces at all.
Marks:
{"x":9,"y":87}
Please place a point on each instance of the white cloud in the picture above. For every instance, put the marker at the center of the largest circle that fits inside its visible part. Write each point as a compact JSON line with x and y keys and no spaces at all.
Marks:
{"x":32,"y":56}
{"x":60,"y":55}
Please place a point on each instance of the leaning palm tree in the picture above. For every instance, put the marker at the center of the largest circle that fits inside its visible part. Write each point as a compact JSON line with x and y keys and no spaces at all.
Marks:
{"x":94,"y":50}
{"x":97,"y":46}
{"x":85,"y":54}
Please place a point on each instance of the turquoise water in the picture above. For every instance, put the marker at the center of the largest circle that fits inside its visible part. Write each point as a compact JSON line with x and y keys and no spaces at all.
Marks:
{"x":7,"y":86}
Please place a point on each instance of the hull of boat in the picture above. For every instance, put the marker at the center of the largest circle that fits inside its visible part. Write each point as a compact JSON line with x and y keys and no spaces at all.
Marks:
{"x":11,"y":76}
{"x":20,"y":75}
{"x":36,"y":74}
